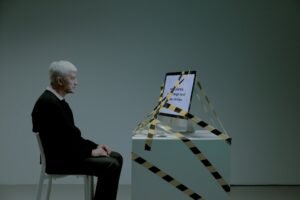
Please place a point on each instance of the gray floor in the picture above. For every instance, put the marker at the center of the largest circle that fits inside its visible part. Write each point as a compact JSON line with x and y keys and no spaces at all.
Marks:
{"x":75,"y":192}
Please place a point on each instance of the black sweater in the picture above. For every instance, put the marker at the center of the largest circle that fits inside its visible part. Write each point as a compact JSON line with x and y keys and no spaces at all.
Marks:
{"x":61,"y":139}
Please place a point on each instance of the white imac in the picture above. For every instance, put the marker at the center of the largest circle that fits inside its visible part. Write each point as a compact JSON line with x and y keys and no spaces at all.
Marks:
{"x":181,"y":98}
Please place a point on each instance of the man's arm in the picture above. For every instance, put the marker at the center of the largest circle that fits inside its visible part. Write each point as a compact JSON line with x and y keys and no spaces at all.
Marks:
{"x":58,"y":132}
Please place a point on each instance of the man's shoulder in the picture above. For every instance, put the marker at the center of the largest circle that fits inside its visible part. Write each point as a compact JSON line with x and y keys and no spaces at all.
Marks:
{"x":47,"y":98}
{"x":46,"y":106}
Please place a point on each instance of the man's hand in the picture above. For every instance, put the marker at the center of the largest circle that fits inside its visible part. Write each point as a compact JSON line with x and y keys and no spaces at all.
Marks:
{"x":105,"y":148}
{"x":101,"y":150}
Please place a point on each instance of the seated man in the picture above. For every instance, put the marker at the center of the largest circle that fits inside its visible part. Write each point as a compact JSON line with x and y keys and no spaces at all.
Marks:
{"x":66,"y":151}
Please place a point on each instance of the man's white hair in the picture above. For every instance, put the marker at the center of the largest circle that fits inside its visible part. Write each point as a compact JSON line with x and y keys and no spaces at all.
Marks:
{"x":60,"y":68}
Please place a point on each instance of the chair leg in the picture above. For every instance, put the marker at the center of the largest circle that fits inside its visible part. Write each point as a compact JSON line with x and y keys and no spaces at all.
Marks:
{"x":91,"y":190}
{"x":88,"y":187}
{"x":85,"y":187}
{"x":40,"y":186}
{"x":49,"y":188}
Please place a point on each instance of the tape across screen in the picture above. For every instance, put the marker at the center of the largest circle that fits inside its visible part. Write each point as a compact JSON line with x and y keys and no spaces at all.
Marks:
{"x":157,"y":109}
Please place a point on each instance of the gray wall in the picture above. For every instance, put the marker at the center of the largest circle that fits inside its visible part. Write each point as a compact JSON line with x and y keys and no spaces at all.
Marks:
{"x":246,"y":52}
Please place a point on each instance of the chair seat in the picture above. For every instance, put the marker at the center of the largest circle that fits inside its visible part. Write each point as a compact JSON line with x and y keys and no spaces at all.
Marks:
{"x":88,"y":180}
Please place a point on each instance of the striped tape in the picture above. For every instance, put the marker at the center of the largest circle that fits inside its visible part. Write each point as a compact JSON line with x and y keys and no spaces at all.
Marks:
{"x":147,"y":120}
{"x":161,"y":99}
{"x":150,"y":116}
{"x":151,"y":132}
{"x":204,"y":105}
{"x":161,"y":103}
{"x":199,"y":155}
{"x":169,"y":95}
{"x":166,"y":177}
{"x":210,"y":106}
{"x":153,"y":123}
{"x":199,"y":122}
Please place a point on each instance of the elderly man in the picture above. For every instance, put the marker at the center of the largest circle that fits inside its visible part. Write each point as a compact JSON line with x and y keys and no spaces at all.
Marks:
{"x":67,"y":152}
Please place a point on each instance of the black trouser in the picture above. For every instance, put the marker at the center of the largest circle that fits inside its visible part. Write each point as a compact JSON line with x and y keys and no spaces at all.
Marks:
{"x":107,"y":170}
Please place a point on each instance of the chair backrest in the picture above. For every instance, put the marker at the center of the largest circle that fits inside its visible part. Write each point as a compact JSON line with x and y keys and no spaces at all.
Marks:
{"x":43,"y":157}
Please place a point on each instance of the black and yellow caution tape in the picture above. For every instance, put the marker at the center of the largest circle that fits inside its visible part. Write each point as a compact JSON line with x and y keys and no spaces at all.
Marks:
{"x":152,"y":122}
{"x":199,"y":122}
{"x":151,"y":132}
{"x":210,"y":106}
{"x":149,"y":117}
{"x":162,"y":102}
{"x":199,"y":155}
{"x":169,"y":95}
{"x":166,"y":177}
{"x":201,"y":96}
{"x":159,"y":100}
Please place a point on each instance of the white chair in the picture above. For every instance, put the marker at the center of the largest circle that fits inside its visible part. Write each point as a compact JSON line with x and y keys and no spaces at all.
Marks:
{"x":88,"y":180}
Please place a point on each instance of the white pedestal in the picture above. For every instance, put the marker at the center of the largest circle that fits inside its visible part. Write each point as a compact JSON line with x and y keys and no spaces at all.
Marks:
{"x":173,"y":157}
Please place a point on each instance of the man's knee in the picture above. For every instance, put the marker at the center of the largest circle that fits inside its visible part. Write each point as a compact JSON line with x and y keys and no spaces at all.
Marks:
{"x":118,"y":157}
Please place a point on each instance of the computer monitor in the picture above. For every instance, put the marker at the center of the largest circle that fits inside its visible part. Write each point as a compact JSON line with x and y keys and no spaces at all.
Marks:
{"x":181,"y":98}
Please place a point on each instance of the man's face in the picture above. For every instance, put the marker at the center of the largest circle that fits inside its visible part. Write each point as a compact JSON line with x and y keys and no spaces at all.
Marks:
{"x":69,"y":82}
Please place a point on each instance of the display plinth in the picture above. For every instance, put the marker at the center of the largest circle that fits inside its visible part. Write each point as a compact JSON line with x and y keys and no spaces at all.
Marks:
{"x":173,"y":157}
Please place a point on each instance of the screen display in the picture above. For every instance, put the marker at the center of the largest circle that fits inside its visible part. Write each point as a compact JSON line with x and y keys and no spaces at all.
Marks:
{"x":182,"y":95}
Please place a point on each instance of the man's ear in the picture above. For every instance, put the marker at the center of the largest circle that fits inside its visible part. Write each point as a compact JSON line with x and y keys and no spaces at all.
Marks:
{"x":60,"y":81}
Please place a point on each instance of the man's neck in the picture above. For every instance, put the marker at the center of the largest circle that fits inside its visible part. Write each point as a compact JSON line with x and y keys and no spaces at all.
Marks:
{"x":57,"y":92}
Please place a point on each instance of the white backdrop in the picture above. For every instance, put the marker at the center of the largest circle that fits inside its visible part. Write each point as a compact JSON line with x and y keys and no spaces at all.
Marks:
{"x":246,"y":52}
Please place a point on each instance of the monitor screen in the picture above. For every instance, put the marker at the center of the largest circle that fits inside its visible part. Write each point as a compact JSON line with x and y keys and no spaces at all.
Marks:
{"x":182,"y":95}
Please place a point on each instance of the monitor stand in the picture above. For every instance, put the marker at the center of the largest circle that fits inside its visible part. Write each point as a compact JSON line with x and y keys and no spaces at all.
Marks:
{"x":180,"y":125}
